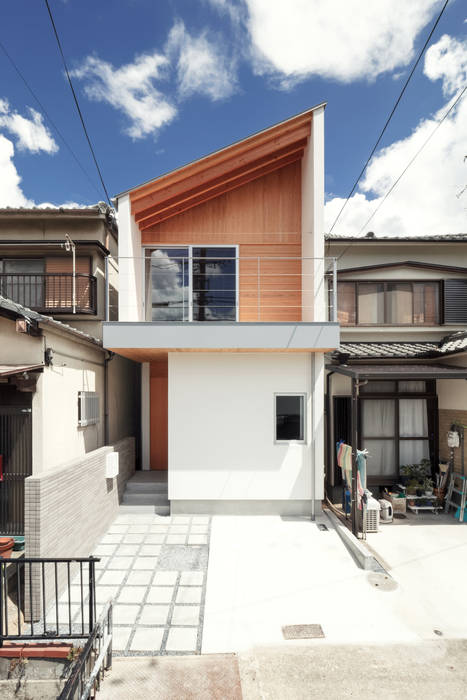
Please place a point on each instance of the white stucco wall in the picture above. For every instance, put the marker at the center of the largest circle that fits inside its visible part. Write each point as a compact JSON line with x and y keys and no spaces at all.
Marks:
{"x":452,"y":393}
{"x":221,"y":427}
{"x":130,"y":265}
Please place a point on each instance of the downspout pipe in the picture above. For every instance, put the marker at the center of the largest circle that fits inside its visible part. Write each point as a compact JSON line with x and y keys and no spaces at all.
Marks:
{"x":329,"y":441}
{"x":109,"y":357}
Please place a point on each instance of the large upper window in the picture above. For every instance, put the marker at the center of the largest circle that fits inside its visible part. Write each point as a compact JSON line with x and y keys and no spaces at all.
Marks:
{"x":388,"y":303}
{"x":192,"y":283}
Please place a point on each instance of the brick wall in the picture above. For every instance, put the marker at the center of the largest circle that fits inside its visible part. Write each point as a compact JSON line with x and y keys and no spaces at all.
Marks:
{"x":446,"y":418}
{"x":69,"y":508}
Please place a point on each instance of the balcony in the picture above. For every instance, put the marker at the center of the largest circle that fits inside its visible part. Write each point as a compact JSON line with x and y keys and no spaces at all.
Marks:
{"x":51,"y":293}
{"x":172,"y":299}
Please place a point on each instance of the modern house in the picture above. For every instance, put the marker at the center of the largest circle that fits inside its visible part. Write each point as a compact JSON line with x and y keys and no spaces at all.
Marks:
{"x":63,"y":397}
{"x":222,"y":301}
{"x":402,"y":306}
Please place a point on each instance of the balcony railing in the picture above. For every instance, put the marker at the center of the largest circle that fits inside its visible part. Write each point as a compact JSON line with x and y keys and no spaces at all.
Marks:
{"x":181,"y":287}
{"x":51,"y":292}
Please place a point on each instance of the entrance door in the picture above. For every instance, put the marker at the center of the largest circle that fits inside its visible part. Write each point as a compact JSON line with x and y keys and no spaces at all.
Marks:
{"x":159,"y":409}
{"x":15,"y":462}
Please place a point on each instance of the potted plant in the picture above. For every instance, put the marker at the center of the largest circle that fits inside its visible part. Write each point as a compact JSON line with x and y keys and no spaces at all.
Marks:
{"x":428,"y":487}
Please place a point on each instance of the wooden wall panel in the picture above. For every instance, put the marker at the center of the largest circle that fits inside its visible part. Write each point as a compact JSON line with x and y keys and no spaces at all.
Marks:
{"x":264,"y":219}
{"x":159,"y":413}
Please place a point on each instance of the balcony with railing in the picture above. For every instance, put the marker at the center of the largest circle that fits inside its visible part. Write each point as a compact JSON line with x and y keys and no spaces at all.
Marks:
{"x":51,"y":293}
{"x":217,"y":299}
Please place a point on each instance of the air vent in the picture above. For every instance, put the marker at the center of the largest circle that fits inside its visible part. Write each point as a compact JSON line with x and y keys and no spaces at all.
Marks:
{"x":88,"y":408}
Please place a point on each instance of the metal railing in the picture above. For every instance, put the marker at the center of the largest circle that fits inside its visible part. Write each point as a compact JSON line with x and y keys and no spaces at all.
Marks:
{"x":181,"y":287}
{"x":47,"y":598}
{"x":94,"y":659}
{"x":51,"y":292}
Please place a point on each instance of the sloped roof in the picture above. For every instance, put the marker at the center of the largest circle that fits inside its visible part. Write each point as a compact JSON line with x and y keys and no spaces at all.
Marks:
{"x":389,"y":239}
{"x":222,"y":171}
{"x":11,"y":308}
{"x":449,"y":345}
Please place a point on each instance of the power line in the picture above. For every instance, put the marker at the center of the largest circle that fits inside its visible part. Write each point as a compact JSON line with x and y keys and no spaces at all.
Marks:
{"x":77,"y":103}
{"x":456,"y":101}
{"x":48,"y":117}
{"x":390,"y":116}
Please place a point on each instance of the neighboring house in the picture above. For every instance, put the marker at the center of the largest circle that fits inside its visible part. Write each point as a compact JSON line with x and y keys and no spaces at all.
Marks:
{"x":62,"y":395}
{"x":402,"y":306}
{"x":222,"y":300}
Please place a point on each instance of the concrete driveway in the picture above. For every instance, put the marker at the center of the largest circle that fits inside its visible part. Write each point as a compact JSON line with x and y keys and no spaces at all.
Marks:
{"x":427,"y":555}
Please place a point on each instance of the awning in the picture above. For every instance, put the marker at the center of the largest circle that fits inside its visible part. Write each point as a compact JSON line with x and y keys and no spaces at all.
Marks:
{"x":7,"y":370}
{"x":400,"y":371}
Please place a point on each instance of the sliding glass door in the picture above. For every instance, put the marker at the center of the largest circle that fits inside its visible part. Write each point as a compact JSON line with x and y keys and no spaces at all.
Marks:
{"x":192,"y":283}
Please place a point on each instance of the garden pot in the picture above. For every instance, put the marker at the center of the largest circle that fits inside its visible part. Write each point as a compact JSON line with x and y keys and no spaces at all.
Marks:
{"x":419,"y":492}
{"x":6,"y":547}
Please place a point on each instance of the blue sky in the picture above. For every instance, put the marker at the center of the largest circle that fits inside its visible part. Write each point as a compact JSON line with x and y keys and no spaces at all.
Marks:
{"x":200,"y":74}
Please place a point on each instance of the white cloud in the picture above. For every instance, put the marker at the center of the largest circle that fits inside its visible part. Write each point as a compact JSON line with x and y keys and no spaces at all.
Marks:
{"x":11,"y":194}
{"x":202,"y":66}
{"x":131,"y":89}
{"x":343,"y":40}
{"x":447,"y":61}
{"x":426,"y":200}
{"x":197,"y":63}
{"x":31,"y":134}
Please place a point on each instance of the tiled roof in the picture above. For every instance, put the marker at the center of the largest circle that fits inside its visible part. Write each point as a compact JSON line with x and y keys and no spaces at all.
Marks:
{"x":23,"y":311}
{"x":449,"y":345}
{"x":436,"y":237}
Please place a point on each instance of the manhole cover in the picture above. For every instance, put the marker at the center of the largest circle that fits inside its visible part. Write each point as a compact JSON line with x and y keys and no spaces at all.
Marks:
{"x":382,"y":581}
{"x":399,"y":516}
{"x":303,"y":632}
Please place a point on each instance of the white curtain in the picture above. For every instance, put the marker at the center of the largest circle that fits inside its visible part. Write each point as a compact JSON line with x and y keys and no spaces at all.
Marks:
{"x":378,"y":418}
{"x":413,"y":451}
{"x":413,"y":387}
{"x":413,"y":418}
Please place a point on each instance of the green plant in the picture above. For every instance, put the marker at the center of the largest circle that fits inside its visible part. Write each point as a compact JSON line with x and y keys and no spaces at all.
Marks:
{"x":417,"y":472}
{"x":428,"y":485}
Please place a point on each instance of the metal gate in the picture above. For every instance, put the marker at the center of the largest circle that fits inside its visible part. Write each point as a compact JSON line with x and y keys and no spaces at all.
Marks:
{"x":15,"y":466}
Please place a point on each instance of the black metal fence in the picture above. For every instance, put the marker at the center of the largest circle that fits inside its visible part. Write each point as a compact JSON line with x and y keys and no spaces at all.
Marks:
{"x":51,"y":292}
{"x":15,"y":466}
{"x":94,"y":659}
{"x":47,"y":598}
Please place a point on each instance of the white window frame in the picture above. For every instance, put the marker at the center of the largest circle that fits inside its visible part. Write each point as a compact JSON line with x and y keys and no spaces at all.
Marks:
{"x":190,"y":247}
{"x":303,"y":394}
{"x":88,"y":408}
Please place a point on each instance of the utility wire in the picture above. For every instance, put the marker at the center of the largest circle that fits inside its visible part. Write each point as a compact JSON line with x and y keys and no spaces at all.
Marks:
{"x":48,"y":117}
{"x":456,"y":101}
{"x":394,"y":184}
{"x":77,"y":103}
{"x":390,"y":116}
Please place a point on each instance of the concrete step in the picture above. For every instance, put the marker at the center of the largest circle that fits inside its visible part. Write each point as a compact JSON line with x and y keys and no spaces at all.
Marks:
{"x":145,"y":499}
{"x":143,"y":509}
{"x":148,"y":487}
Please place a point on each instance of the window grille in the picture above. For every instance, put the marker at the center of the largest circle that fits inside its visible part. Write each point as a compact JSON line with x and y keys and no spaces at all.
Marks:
{"x":88,"y":408}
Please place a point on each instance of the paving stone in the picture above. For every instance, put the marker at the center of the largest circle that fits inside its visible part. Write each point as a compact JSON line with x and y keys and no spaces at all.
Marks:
{"x":165,"y":578}
{"x":181,"y":519}
{"x":105,"y":550}
{"x":117,"y":529}
{"x":191,"y":578}
{"x":199,"y":529}
{"x":125,"y":614}
{"x":181,"y":529}
{"x":149,"y":550}
{"x":160,"y":594}
{"x":189,"y":594}
{"x":131,"y":594}
{"x":112,"y":539}
{"x":183,"y":557}
{"x":159,"y":528}
{"x":185,"y":615}
{"x":139,"y":578}
{"x":154,"y":615}
{"x":104,"y":593}
{"x":182,"y":639}
{"x":120,"y":637}
{"x":112,"y":578}
{"x":120,"y":563}
{"x":138,"y":529}
{"x":133,"y":539}
{"x":145,"y":563}
{"x":176,"y":539}
{"x":128,"y":550}
{"x":147,"y":639}
{"x":200,"y":520}
{"x":157,"y":538}
{"x":198,"y":539}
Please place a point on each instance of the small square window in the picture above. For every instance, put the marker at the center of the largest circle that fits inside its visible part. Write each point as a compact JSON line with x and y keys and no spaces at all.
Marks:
{"x":88,"y":408}
{"x":290,"y":417}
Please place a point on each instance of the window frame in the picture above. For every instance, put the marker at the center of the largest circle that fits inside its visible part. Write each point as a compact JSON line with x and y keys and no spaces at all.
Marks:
{"x":385,"y":283}
{"x":189,"y":247}
{"x":303,"y":394}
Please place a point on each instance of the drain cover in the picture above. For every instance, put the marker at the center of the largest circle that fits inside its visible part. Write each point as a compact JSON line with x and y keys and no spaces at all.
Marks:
{"x":399,"y":516}
{"x":322,"y":527}
{"x":382,"y":581}
{"x":302,"y":632}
